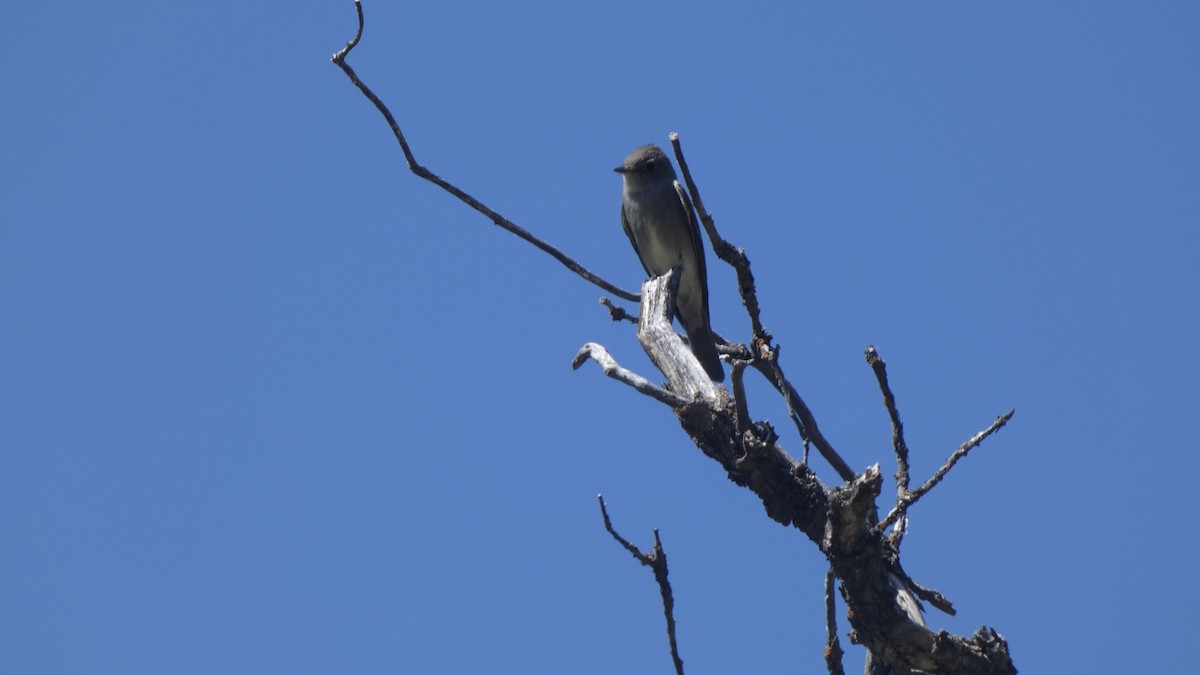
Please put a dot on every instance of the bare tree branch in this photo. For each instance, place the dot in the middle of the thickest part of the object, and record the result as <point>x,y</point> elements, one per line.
<point>931,596</point>
<point>614,370</point>
<point>765,357</point>
<point>737,385</point>
<point>899,447</point>
<point>686,379</point>
<point>833,647</point>
<point>800,414</point>
<point>656,560</point>
<point>909,498</point>
<point>340,59</point>
<point>685,376</point>
<point>735,257</point>
<point>960,453</point>
<point>617,313</point>
<point>859,556</point>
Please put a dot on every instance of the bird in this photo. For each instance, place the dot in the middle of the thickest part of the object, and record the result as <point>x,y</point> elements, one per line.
<point>658,218</point>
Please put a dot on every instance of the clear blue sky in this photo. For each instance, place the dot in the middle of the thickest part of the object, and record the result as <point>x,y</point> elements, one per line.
<point>268,403</point>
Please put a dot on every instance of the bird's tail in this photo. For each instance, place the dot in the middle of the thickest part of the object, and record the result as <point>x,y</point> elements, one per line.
<point>704,346</point>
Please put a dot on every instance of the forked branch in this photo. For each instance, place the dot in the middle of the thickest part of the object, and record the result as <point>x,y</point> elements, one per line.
<point>910,497</point>
<point>656,560</point>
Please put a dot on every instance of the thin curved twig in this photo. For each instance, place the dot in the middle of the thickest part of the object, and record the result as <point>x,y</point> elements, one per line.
<point>340,59</point>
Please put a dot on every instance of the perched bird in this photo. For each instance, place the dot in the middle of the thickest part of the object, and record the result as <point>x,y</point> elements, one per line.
<point>661,224</point>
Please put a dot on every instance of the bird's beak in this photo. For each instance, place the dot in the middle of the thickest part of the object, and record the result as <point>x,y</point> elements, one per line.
<point>622,170</point>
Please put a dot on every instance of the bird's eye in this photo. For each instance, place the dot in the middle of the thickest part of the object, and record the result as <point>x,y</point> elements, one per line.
<point>650,165</point>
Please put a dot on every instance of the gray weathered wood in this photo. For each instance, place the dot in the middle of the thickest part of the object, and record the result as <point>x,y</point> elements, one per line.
<point>663,345</point>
